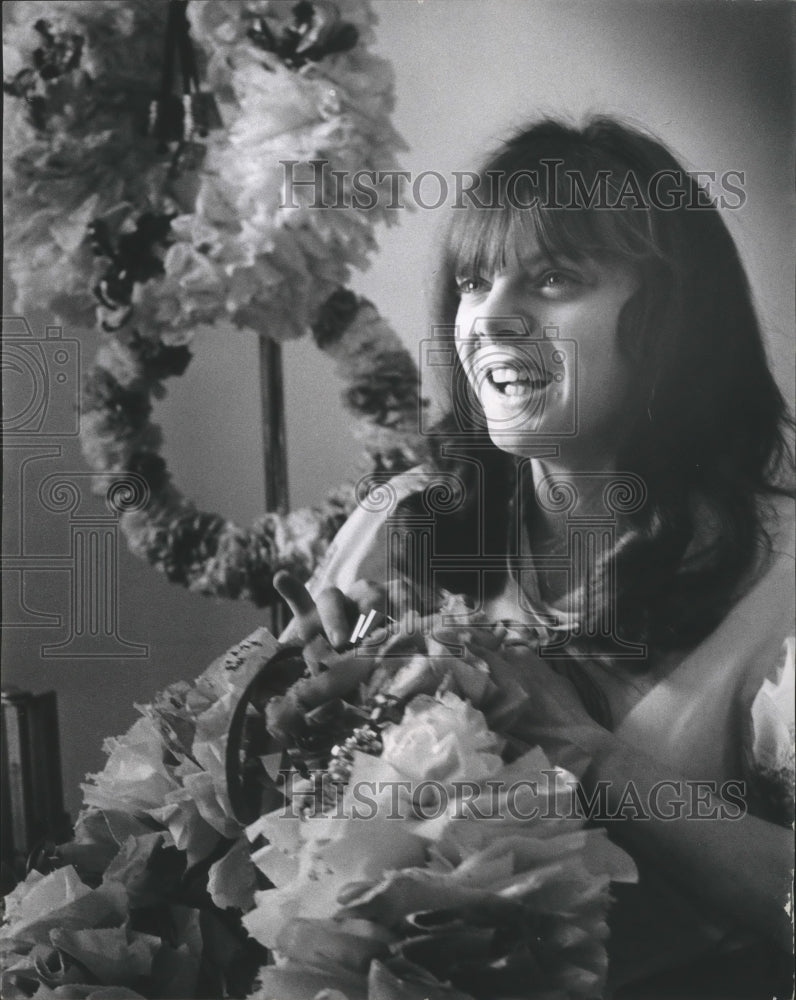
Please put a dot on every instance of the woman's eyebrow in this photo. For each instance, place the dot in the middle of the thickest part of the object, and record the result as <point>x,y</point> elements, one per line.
<point>529,261</point>
<point>546,259</point>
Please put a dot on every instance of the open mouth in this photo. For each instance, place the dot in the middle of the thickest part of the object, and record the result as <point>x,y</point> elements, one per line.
<point>516,380</point>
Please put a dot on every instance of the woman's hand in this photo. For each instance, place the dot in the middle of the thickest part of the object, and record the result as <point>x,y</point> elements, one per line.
<point>286,715</point>
<point>335,670</point>
<point>552,715</point>
<point>333,613</point>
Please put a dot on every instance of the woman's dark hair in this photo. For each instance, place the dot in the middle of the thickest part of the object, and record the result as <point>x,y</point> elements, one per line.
<point>706,422</point>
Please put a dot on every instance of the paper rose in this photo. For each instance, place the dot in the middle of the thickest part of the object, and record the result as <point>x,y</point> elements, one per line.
<point>773,715</point>
<point>770,759</point>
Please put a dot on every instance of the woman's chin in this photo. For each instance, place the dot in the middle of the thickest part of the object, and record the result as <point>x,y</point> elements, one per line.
<point>521,440</point>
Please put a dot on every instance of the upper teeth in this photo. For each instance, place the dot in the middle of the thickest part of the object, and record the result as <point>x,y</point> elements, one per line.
<point>508,375</point>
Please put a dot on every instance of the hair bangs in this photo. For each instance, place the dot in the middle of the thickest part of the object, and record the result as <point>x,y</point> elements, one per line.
<point>482,239</point>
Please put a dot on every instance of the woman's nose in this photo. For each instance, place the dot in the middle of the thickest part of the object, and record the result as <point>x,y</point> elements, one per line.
<point>501,327</point>
<point>503,314</point>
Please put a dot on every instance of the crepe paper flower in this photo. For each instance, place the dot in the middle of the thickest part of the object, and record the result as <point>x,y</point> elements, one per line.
<point>72,991</point>
<point>77,961</point>
<point>442,740</point>
<point>58,900</point>
<point>277,983</point>
<point>110,954</point>
<point>189,830</point>
<point>232,880</point>
<point>381,891</point>
<point>150,890</point>
<point>185,726</point>
<point>71,138</point>
<point>413,983</point>
<point>239,252</point>
<point>769,760</point>
<point>773,714</point>
<point>134,778</point>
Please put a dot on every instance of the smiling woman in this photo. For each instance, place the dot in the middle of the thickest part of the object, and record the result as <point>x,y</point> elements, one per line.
<point>617,504</point>
<point>499,321</point>
<point>642,325</point>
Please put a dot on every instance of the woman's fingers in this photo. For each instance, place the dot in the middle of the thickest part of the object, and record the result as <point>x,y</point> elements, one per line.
<point>306,620</point>
<point>285,716</point>
<point>294,592</point>
<point>332,613</point>
<point>337,614</point>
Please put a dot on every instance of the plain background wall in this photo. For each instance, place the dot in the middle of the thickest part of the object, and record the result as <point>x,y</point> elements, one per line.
<point>713,79</point>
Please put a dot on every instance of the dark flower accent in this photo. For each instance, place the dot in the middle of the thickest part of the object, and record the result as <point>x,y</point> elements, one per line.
<point>316,32</point>
<point>24,85</point>
<point>189,540</point>
<point>152,467</point>
<point>335,316</point>
<point>58,55</point>
<point>385,394</point>
<point>129,407</point>
<point>159,360</point>
<point>395,460</point>
<point>57,58</point>
<point>133,259</point>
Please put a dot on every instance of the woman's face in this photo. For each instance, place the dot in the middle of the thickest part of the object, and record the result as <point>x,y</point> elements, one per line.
<point>538,343</point>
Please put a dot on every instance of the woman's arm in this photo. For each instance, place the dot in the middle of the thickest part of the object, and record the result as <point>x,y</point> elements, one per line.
<point>740,867</point>
<point>737,868</point>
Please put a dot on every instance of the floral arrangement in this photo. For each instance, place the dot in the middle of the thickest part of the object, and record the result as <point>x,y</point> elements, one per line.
<point>138,904</point>
<point>158,213</point>
<point>366,872</point>
<point>78,76</point>
<point>83,75</point>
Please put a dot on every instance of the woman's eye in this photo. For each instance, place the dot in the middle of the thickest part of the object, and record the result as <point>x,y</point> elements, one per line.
<point>468,285</point>
<point>554,283</point>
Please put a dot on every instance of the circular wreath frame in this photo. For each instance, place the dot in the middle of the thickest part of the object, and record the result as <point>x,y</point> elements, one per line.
<point>202,550</point>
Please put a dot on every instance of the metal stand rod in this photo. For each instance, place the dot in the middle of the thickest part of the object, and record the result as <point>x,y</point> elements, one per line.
<point>272,401</point>
<point>273,421</point>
